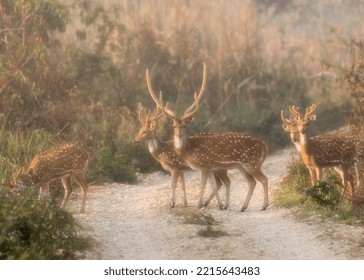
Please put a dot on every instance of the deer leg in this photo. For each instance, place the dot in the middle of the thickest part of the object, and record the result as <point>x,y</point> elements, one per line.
<point>251,185</point>
<point>212,194</point>
<point>66,182</point>
<point>318,174</point>
<point>264,181</point>
<point>226,180</point>
<point>203,180</point>
<point>44,195</point>
<point>175,175</point>
<point>182,179</point>
<point>204,175</point>
<point>215,189</point>
<point>359,169</point>
<point>312,176</point>
<point>81,181</point>
<point>347,181</point>
<point>339,170</point>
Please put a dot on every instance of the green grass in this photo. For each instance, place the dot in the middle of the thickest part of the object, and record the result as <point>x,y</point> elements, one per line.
<point>210,232</point>
<point>32,231</point>
<point>323,199</point>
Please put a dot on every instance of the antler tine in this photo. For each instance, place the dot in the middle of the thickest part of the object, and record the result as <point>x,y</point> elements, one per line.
<point>158,112</point>
<point>203,86</point>
<point>140,114</point>
<point>158,102</point>
<point>310,110</point>
<point>285,121</point>
<point>150,88</point>
<point>148,116</point>
<point>194,107</point>
<point>140,109</point>
<point>294,111</point>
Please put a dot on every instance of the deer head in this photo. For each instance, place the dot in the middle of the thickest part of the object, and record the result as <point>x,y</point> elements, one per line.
<point>15,181</point>
<point>303,122</point>
<point>147,130</point>
<point>290,126</point>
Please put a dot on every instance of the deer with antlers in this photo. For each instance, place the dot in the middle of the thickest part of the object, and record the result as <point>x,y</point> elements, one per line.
<point>210,151</point>
<point>320,151</point>
<point>165,154</point>
<point>58,163</point>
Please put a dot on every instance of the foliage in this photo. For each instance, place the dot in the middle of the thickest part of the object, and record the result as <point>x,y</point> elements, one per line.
<point>325,193</point>
<point>18,148</point>
<point>31,231</point>
<point>210,232</point>
<point>353,77</point>
<point>77,72</point>
<point>324,198</point>
<point>297,179</point>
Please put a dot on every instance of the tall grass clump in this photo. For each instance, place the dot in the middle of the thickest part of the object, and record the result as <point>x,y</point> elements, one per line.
<point>323,198</point>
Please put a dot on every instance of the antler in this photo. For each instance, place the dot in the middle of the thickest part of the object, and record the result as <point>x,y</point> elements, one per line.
<point>157,114</point>
<point>310,110</point>
<point>191,111</point>
<point>285,121</point>
<point>294,111</point>
<point>158,102</point>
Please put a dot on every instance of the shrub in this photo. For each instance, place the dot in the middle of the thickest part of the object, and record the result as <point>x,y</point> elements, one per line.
<point>325,193</point>
<point>31,231</point>
<point>323,198</point>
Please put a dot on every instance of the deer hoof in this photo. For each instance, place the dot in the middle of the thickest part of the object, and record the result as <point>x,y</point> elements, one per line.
<point>243,208</point>
<point>265,207</point>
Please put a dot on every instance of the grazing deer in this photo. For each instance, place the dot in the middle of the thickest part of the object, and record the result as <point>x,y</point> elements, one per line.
<point>165,154</point>
<point>208,152</point>
<point>320,151</point>
<point>59,162</point>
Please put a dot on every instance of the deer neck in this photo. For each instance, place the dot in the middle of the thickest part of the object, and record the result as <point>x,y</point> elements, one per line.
<point>305,143</point>
<point>180,142</point>
<point>297,145</point>
<point>295,141</point>
<point>154,145</point>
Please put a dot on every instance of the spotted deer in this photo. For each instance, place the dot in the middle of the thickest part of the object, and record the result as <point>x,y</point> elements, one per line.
<point>321,151</point>
<point>210,151</point>
<point>165,154</point>
<point>59,163</point>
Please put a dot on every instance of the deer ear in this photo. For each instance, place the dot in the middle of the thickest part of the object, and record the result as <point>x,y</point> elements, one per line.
<point>152,125</point>
<point>188,119</point>
<point>170,120</point>
<point>312,118</point>
<point>285,127</point>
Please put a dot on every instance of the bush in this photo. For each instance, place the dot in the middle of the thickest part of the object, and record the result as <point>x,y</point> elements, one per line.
<point>323,198</point>
<point>325,193</point>
<point>32,231</point>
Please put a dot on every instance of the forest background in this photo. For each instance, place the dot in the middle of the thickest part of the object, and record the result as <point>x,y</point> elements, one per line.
<point>74,71</point>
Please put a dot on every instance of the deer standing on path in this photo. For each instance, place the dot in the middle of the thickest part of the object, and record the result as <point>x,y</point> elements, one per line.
<point>165,154</point>
<point>208,152</point>
<point>320,152</point>
<point>59,163</point>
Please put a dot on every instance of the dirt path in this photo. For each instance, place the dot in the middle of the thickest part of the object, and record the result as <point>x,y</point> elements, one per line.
<point>135,222</point>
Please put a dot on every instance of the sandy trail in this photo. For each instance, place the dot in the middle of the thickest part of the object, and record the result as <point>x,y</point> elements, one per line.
<point>135,222</point>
